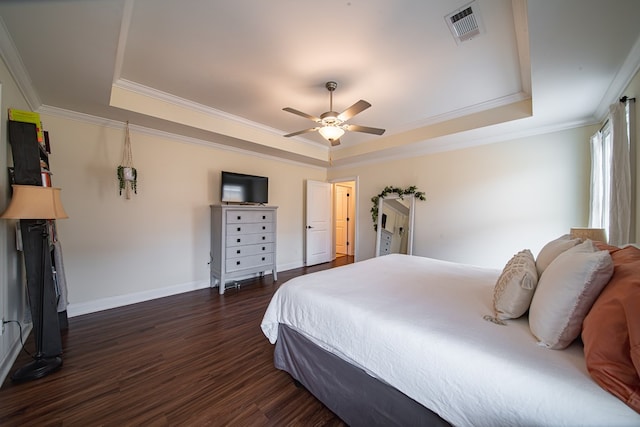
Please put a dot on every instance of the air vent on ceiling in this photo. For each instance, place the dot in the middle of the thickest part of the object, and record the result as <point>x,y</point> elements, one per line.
<point>465,22</point>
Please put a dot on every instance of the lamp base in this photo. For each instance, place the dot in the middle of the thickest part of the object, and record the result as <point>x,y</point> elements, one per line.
<point>39,368</point>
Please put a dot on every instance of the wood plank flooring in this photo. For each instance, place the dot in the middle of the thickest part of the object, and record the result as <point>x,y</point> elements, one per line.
<point>192,359</point>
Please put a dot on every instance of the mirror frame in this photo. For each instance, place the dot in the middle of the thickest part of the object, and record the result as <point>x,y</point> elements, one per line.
<point>412,205</point>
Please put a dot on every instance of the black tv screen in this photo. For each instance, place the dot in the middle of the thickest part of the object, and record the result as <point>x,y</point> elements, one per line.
<point>241,188</point>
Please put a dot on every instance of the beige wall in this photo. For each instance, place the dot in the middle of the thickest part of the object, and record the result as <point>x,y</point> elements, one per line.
<point>119,250</point>
<point>12,290</point>
<point>486,203</point>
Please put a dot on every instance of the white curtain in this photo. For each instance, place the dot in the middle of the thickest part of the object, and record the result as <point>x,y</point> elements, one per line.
<point>611,196</point>
<point>620,197</point>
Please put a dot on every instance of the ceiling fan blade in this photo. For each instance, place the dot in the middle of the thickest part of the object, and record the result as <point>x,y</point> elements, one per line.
<point>300,113</point>
<point>365,129</point>
<point>353,110</point>
<point>301,132</point>
<point>335,142</point>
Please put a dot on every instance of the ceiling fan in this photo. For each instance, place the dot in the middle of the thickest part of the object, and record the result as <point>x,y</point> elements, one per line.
<point>333,125</point>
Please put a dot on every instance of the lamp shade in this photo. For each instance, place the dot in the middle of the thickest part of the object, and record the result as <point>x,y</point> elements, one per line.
<point>331,132</point>
<point>35,202</point>
<point>597,234</point>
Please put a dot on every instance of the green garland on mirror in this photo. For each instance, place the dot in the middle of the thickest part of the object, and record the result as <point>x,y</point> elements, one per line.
<point>389,190</point>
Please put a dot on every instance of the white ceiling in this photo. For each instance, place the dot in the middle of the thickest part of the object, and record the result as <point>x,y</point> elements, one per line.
<point>233,66</point>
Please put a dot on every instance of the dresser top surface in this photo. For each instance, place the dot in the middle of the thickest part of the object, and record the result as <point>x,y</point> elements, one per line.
<point>236,207</point>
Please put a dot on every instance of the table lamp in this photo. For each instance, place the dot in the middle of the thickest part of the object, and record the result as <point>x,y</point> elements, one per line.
<point>37,205</point>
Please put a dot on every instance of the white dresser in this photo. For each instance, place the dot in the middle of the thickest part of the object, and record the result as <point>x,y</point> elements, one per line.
<point>385,242</point>
<point>243,242</point>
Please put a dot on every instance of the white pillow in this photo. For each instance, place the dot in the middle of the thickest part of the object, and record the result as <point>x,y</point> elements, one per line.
<point>551,250</point>
<point>514,288</point>
<point>565,293</point>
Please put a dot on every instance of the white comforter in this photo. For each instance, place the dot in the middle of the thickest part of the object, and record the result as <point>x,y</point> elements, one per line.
<point>417,324</point>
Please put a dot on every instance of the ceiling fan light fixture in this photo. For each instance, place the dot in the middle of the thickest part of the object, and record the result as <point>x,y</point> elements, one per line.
<point>331,133</point>
<point>332,125</point>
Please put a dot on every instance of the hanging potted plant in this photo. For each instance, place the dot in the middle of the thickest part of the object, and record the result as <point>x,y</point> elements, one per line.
<point>127,177</point>
<point>127,174</point>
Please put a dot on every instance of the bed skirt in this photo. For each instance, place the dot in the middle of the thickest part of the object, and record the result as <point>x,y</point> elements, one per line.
<point>353,395</point>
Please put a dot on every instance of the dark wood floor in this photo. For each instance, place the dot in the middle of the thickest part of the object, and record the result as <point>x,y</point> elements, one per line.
<point>192,359</point>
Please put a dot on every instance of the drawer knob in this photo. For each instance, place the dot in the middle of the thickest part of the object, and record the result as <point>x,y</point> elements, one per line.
<point>264,228</point>
<point>264,248</point>
<point>263,258</point>
<point>238,229</point>
<point>238,251</point>
<point>264,237</point>
<point>239,217</point>
<point>264,217</point>
<point>237,262</point>
<point>238,240</point>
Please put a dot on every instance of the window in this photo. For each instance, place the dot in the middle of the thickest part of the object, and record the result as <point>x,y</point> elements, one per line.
<point>600,178</point>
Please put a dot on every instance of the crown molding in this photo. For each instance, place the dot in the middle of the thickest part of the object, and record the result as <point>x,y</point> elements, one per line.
<point>16,67</point>
<point>521,24</point>
<point>467,111</point>
<point>199,108</point>
<point>623,78</point>
<point>451,143</point>
<point>125,24</point>
<point>115,124</point>
<point>423,148</point>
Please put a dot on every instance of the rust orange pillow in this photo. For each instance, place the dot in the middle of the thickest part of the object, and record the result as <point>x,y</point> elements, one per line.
<point>611,330</point>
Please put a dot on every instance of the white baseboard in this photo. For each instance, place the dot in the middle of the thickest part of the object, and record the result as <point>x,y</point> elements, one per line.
<point>12,355</point>
<point>289,266</point>
<point>122,300</point>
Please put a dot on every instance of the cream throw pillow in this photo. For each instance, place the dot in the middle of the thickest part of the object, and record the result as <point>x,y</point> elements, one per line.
<point>514,288</point>
<point>551,250</point>
<point>565,293</point>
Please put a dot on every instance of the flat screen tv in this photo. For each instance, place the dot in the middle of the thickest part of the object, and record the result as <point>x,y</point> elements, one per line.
<point>241,188</point>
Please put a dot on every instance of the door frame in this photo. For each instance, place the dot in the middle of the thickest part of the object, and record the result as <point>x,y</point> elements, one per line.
<point>353,216</point>
<point>343,211</point>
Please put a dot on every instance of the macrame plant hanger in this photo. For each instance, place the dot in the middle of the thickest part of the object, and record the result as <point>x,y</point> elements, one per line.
<point>127,174</point>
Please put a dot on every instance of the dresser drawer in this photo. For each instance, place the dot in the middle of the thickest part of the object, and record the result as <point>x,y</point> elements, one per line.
<point>385,242</point>
<point>241,251</point>
<point>249,239</point>
<point>249,228</point>
<point>248,262</point>
<point>246,217</point>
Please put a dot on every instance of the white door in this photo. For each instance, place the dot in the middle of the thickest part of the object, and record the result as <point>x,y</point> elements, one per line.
<point>318,226</point>
<point>342,219</point>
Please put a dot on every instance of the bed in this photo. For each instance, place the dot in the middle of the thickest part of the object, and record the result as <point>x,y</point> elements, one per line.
<point>402,340</point>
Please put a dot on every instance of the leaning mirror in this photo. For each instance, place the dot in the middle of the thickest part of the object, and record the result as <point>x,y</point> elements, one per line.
<point>395,225</point>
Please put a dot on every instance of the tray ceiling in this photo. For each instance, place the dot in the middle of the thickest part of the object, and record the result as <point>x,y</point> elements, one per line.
<point>222,71</point>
